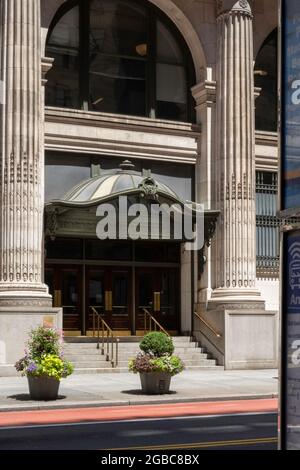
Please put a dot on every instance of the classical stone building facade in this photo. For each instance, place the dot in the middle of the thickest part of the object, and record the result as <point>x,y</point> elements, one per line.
<point>186,91</point>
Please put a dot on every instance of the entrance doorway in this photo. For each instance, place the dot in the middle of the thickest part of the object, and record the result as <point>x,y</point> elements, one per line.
<point>119,279</point>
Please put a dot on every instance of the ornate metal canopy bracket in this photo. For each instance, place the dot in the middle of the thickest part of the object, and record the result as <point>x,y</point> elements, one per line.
<point>149,188</point>
<point>210,222</point>
<point>51,223</point>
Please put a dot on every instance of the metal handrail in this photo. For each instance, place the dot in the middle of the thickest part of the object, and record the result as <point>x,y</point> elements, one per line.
<point>218,335</point>
<point>151,321</point>
<point>109,340</point>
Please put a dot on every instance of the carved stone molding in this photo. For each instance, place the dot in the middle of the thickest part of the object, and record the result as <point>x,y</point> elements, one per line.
<point>204,93</point>
<point>47,63</point>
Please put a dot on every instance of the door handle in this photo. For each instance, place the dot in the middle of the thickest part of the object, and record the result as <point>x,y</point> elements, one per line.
<point>57,298</point>
<point>156,301</point>
<point>108,300</point>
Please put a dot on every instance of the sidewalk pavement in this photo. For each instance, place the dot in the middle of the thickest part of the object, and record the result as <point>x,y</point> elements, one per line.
<point>116,389</point>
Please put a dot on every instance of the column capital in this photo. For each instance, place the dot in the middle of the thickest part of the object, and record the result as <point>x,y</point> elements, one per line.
<point>230,7</point>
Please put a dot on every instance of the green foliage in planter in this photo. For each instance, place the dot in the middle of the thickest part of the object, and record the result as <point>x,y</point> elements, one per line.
<point>145,363</point>
<point>157,344</point>
<point>44,341</point>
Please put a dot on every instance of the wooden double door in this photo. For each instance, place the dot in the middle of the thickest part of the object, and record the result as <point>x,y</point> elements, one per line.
<point>120,294</point>
<point>158,291</point>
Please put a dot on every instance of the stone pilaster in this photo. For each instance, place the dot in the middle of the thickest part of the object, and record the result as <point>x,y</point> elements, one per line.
<point>204,94</point>
<point>235,158</point>
<point>21,153</point>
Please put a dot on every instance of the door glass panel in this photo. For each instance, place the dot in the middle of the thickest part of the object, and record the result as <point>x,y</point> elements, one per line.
<point>70,289</point>
<point>120,293</point>
<point>95,295</point>
<point>71,299</point>
<point>145,290</point>
<point>168,292</point>
<point>96,290</point>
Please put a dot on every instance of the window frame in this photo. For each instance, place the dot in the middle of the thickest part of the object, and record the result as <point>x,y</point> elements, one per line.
<point>258,126</point>
<point>153,15</point>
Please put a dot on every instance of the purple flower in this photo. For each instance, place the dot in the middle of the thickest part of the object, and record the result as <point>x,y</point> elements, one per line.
<point>31,367</point>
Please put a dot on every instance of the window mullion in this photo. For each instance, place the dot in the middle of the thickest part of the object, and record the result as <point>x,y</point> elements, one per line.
<point>84,53</point>
<point>151,74</point>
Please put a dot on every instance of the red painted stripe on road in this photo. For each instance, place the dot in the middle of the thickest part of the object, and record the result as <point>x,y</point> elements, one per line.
<point>79,415</point>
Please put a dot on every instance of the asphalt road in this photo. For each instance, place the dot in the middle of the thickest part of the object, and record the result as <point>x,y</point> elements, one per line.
<point>243,431</point>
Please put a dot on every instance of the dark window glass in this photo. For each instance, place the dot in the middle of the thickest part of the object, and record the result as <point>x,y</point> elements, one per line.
<point>173,253</point>
<point>171,95</point>
<point>62,248</point>
<point>118,86</point>
<point>63,173</point>
<point>123,60</point>
<point>265,74</point>
<point>63,46</point>
<point>108,250</point>
<point>157,252</point>
<point>117,78</point>
<point>117,27</point>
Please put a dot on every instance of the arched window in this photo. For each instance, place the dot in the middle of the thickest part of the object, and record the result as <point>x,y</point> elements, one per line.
<point>119,56</point>
<point>265,73</point>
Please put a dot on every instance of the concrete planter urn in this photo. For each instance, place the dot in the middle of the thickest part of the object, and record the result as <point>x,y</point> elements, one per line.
<point>43,388</point>
<point>155,383</point>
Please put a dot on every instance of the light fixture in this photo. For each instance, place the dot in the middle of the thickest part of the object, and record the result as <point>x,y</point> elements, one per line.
<point>260,73</point>
<point>141,49</point>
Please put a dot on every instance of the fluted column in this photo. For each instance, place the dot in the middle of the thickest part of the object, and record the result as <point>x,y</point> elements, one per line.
<point>21,153</point>
<point>235,157</point>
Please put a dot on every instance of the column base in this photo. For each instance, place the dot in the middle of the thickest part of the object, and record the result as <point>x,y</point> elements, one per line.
<point>15,325</point>
<point>237,298</point>
<point>14,295</point>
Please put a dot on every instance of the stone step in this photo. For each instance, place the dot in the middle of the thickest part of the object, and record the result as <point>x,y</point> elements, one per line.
<point>87,359</point>
<point>125,362</point>
<point>187,362</point>
<point>130,340</point>
<point>99,370</point>
<point>91,364</point>
<point>96,359</point>
<point>84,349</point>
